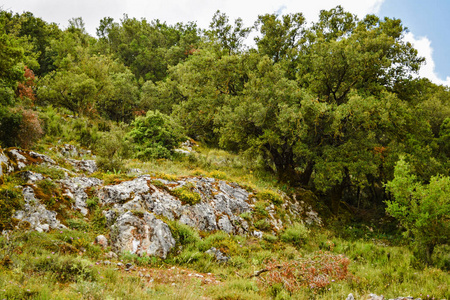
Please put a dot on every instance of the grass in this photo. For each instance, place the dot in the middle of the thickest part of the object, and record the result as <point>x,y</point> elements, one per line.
<point>53,266</point>
<point>298,263</point>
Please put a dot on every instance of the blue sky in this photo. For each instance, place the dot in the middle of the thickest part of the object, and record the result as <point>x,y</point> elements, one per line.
<point>427,20</point>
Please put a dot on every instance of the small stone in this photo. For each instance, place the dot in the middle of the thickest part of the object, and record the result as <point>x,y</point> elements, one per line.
<point>111,255</point>
<point>120,264</point>
<point>258,234</point>
<point>350,297</point>
<point>102,241</point>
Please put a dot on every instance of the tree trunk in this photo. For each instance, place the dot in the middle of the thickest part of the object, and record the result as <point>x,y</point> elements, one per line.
<point>306,175</point>
<point>335,197</point>
<point>284,164</point>
<point>336,193</point>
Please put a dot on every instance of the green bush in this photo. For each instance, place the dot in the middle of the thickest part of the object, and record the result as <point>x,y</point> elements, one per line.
<point>183,234</point>
<point>270,196</point>
<point>112,148</point>
<point>155,135</point>
<point>295,235</point>
<point>98,221</point>
<point>66,268</point>
<point>186,195</point>
<point>19,127</point>
<point>10,200</point>
<point>423,209</point>
<point>263,225</point>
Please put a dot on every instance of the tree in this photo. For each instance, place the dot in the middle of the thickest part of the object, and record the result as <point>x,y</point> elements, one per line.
<point>264,118</point>
<point>281,38</point>
<point>148,48</point>
<point>230,38</point>
<point>343,54</point>
<point>423,210</point>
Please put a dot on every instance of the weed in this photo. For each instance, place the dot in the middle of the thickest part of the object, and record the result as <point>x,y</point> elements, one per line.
<point>186,195</point>
<point>271,196</point>
<point>295,235</point>
<point>218,175</point>
<point>11,200</point>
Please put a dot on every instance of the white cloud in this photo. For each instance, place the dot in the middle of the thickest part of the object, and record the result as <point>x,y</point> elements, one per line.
<point>172,11</point>
<point>424,49</point>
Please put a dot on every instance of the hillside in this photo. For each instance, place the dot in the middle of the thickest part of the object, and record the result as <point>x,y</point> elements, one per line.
<point>171,161</point>
<point>78,232</point>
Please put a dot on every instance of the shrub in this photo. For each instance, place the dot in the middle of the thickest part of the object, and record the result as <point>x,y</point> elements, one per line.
<point>316,272</point>
<point>66,268</point>
<point>155,135</point>
<point>218,175</point>
<point>98,221</point>
<point>186,195</point>
<point>19,127</point>
<point>183,234</point>
<point>270,196</point>
<point>263,225</point>
<point>10,121</point>
<point>295,235</point>
<point>112,149</point>
<point>10,200</point>
<point>423,210</point>
<point>45,170</point>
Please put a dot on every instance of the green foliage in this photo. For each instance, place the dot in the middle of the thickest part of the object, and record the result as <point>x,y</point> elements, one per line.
<point>271,196</point>
<point>155,135</point>
<point>112,148</point>
<point>263,224</point>
<point>229,38</point>
<point>46,170</point>
<point>296,235</point>
<point>11,200</point>
<point>183,234</point>
<point>9,126</point>
<point>66,269</point>
<point>98,221</point>
<point>423,210</point>
<point>186,194</point>
<point>218,175</point>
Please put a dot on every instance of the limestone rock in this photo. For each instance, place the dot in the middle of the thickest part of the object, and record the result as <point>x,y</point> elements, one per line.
<point>89,166</point>
<point>35,213</point>
<point>12,159</point>
<point>71,151</point>
<point>102,241</point>
<point>76,187</point>
<point>32,177</point>
<point>220,257</point>
<point>350,297</point>
<point>141,235</point>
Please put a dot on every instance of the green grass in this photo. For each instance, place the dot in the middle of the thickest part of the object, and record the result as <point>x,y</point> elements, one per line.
<point>65,264</point>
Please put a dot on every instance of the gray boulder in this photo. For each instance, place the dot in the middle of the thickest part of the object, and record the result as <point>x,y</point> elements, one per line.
<point>141,235</point>
<point>76,187</point>
<point>36,214</point>
<point>89,166</point>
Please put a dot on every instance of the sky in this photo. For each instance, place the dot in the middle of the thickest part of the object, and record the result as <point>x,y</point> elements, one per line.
<point>426,20</point>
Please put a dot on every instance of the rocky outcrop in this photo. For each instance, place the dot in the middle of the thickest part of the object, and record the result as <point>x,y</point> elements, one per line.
<point>89,166</point>
<point>13,159</point>
<point>76,187</point>
<point>135,209</point>
<point>220,207</point>
<point>141,235</point>
<point>36,214</point>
